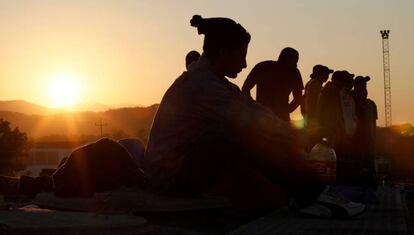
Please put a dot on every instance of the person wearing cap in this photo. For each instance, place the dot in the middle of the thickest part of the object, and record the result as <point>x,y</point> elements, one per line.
<point>309,107</point>
<point>275,81</point>
<point>365,136</point>
<point>366,108</point>
<point>336,106</point>
<point>348,104</point>
<point>337,119</point>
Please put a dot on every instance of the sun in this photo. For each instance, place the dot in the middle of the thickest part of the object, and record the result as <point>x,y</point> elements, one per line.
<point>64,91</point>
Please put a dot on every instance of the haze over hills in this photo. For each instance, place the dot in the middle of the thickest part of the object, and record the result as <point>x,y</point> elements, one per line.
<point>24,107</point>
<point>39,122</point>
<point>136,122</point>
<point>21,106</point>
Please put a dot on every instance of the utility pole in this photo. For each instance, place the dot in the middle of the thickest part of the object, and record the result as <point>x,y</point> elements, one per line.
<point>387,79</point>
<point>101,125</point>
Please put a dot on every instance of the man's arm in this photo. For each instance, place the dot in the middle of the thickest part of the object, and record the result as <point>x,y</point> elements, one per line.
<point>267,141</point>
<point>250,82</point>
<point>296,92</point>
<point>312,91</point>
<point>297,97</point>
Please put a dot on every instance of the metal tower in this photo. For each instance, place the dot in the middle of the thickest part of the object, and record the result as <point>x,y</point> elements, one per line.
<point>387,79</point>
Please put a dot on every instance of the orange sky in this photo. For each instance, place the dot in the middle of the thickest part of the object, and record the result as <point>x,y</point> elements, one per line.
<point>129,52</point>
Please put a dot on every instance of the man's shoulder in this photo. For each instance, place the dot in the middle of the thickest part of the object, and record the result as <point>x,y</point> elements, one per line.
<point>327,90</point>
<point>288,70</point>
<point>266,69</point>
<point>265,64</point>
<point>372,103</point>
<point>295,72</point>
<point>314,84</point>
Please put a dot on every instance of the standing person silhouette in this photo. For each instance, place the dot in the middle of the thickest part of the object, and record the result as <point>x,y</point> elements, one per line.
<point>337,120</point>
<point>309,106</point>
<point>275,81</point>
<point>208,136</point>
<point>365,135</point>
<point>313,88</point>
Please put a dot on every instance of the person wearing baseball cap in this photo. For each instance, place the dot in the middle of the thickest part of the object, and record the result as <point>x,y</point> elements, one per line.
<point>309,106</point>
<point>320,69</point>
<point>337,119</point>
<point>365,135</point>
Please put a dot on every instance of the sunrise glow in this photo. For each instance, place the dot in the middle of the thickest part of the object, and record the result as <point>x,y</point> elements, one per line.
<point>64,90</point>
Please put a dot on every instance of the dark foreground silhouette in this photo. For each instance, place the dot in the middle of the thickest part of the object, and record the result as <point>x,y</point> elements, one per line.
<point>209,137</point>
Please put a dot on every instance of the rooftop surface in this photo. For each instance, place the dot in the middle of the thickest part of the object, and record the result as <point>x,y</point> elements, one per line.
<point>390,216</point>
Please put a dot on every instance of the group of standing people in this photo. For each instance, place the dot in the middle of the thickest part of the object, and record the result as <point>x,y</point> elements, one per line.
<point>340,112</point>
<point>347,119</point>
<point>336,111</point>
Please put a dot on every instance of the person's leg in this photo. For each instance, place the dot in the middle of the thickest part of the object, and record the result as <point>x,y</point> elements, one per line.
<point>246,188</point>
<point>211,164</point>
<point>219,169</point>
<point>203,166</point>
<point>286,166</point>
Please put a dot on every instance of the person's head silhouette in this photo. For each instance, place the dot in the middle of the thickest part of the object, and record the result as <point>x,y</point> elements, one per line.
<point>225,44</point>
<point>343,79</point>
<point>191,57</point>
<point>321,72</point>
<point>360,87</point>
<point>289,56</point>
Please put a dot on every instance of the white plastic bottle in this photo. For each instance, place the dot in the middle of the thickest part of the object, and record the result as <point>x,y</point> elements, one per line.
<point>322,159</point>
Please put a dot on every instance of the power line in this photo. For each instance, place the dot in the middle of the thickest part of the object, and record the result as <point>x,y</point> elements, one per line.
<point>101,125</point>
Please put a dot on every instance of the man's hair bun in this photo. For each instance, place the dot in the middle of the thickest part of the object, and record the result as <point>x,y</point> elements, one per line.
<point>219,33</point>
<point>197,21</point>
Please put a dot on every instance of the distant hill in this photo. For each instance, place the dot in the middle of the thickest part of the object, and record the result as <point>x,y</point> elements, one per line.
<point>124,121</point>
<point>90,106</point>
<point>21,106</point>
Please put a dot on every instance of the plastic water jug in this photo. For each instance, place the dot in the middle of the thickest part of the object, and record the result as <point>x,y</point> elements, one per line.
<point>322,159</point>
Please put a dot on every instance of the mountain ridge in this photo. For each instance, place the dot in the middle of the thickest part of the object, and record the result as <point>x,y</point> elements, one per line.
<point>129,121</point>
<point>26,107</point>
